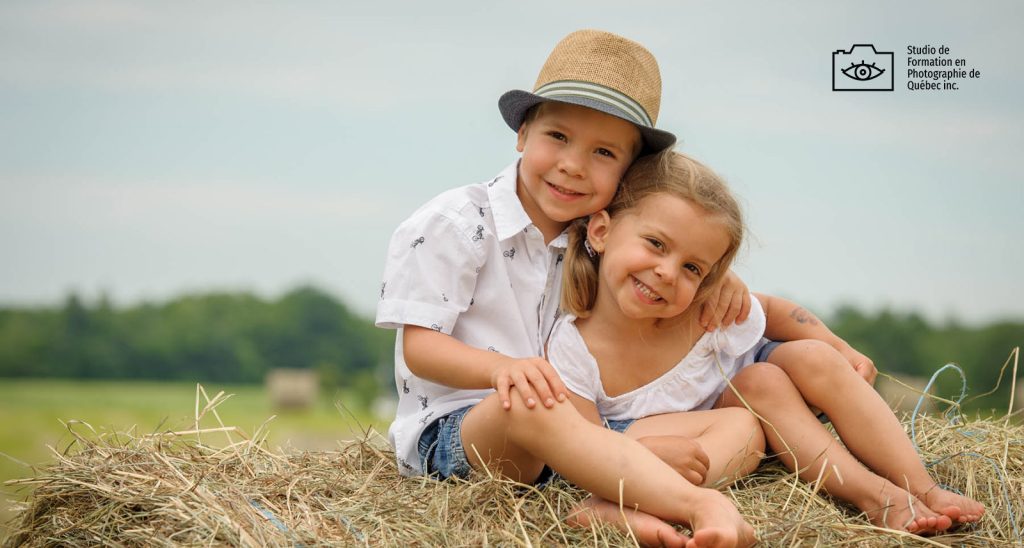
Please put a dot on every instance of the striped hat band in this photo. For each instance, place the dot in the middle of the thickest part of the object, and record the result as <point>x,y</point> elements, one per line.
<point>597,92</point>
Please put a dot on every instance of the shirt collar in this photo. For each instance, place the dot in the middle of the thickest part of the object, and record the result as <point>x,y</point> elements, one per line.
<point>509,215</point>
<point>562,240</point>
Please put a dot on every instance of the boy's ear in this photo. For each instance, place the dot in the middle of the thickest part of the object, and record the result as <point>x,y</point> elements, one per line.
<point>597,229</point>
<point>521,137</point>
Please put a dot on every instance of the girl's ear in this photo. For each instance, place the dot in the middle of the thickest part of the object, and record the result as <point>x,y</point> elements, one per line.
<point>597,230</point>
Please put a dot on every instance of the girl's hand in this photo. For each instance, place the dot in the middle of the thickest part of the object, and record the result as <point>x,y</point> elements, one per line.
<point>534,378</point>
<point>728,303</point>
<point>860,363</point>
<point>683,454</point>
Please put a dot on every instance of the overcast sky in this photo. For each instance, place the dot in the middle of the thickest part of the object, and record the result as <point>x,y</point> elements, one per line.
<point>151,149</point>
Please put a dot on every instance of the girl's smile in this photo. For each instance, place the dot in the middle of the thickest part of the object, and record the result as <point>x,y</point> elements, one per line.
<point>645,293</point>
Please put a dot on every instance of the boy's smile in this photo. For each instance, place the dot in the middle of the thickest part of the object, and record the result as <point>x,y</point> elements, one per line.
<point>573,160</point>
<point>655,257</point>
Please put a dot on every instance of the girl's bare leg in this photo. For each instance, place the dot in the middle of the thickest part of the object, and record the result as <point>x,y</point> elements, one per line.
<point>731,438</point>
<point>827,381</point>
<point>515,443</point>
<point>771,393</point>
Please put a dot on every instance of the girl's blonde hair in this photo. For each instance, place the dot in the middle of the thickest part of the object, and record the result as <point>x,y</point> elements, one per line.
<point>668,172</point>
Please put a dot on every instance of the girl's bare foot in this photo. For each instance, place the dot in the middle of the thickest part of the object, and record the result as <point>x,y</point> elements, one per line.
<point>648,530</point>
<point>717,524</point>
<point>714,519</point>
<point>896,508</point>
<point>958,508</point>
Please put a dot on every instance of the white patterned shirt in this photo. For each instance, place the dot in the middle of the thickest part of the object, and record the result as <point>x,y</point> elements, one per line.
<point>694,383</point>
<point>470,264</point>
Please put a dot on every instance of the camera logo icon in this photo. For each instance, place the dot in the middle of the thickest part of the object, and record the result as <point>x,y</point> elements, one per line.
<point>863,68</point>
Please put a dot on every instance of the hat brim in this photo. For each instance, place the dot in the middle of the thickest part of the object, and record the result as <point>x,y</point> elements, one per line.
<point>514,105</point>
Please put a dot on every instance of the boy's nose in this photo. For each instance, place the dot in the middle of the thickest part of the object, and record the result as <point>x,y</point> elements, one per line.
<point>570,163</point>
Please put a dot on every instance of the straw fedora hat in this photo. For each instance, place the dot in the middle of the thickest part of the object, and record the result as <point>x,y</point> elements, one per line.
<point>602,71</point>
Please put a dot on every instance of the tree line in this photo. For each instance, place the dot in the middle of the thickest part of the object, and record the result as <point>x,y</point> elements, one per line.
<point>238,337</point>
<point>905,343</point>
<point>214,337</point>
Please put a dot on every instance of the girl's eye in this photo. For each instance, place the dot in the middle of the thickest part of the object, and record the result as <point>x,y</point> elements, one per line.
<point>606,152</point>
<point>692,268</point>
<point>655,243</point>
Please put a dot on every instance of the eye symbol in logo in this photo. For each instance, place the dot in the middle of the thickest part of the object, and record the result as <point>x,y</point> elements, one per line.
<point>863,71</point>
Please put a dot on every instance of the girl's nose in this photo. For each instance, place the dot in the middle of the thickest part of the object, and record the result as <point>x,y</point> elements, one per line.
<point>665,270</point>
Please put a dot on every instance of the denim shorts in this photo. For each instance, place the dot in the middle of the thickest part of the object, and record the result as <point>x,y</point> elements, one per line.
<point>766,350</point>
<point>619,426</point>
<point>440,447</point>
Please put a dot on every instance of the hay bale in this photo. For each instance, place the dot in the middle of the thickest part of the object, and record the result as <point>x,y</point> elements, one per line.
<point>292,388</point>
<point>175,489</point>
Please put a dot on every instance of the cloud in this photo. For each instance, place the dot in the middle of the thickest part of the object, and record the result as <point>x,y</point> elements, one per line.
<point>95,15</point>
<point>318,58</point>
<point>84,201</point>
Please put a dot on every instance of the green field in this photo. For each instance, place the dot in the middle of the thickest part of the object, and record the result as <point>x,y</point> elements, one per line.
<point>31,411</point>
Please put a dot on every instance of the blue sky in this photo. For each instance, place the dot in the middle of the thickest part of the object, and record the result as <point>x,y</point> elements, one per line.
<point>151,149</point>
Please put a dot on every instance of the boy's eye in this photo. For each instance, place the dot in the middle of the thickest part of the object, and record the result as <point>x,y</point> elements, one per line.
<point>606,152</point>
<point>557,135</point>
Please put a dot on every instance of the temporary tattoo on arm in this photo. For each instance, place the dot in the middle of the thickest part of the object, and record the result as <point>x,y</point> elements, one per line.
<point>801,315</point>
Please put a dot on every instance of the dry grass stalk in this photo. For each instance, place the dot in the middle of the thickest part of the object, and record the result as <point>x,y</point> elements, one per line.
<point>172,489</point>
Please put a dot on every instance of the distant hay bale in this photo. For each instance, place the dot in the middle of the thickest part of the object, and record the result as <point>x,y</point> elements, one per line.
<point>902,392</point>
<point>175,489</point>
<point>292,388</point>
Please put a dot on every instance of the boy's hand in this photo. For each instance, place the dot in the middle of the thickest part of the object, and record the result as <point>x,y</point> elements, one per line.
<point>683,454</point>
<point>534,378</point>
<point>728,303</point>
<point>860,363</point>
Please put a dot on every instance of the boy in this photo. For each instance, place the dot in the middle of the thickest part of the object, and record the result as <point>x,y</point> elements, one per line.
<point>472,283</point>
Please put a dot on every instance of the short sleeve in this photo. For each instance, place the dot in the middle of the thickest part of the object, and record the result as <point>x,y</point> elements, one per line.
<point>569,355</point>
<point>738,338</point>
<point>430,273</point>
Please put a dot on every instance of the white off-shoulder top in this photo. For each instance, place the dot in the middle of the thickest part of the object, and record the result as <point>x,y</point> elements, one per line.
<point>694,383</point>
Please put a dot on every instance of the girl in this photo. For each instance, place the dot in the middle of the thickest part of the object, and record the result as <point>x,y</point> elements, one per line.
<point>633,273</point>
